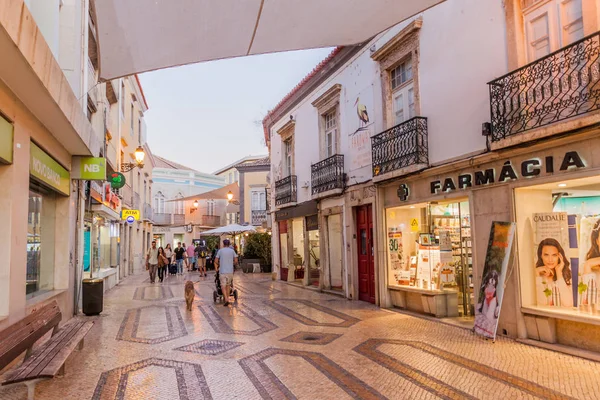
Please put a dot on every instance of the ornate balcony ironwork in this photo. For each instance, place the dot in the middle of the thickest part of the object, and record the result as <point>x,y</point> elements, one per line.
<point>328,174</point>
<point>401,146</point>
<point>286,190</point>
<point>258,217</point>
<point>561,85</point>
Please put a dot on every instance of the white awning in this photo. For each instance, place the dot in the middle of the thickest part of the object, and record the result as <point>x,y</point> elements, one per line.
<point>142,35</point>
<point>232,229</point>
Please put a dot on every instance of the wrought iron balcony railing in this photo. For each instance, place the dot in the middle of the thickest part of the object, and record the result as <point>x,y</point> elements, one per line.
<point>401,146</point>
<point>126,193</point>
<point>148,212</point>
<point>178,219</point>
<point>561,85</point>
<point>286,190</point>
<point>328,174</point>
<point>162,219</point>
<point>258,217</point>
<point>211,220</point>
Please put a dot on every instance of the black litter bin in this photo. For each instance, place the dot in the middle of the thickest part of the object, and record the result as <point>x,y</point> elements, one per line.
<point>93,296</point>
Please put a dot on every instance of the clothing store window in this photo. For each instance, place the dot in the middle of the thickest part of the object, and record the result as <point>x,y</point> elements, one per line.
<point>558,233</point>
<point>40,241</point>
<point>429,247</point>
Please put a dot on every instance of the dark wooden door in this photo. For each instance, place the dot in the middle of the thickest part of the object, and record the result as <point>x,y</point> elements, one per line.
<point>366,253</point>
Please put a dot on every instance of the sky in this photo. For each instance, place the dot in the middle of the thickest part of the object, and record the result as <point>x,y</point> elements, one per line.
<point>209,115</point>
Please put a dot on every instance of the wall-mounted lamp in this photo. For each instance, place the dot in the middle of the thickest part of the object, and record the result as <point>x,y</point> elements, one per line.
<point>229,196</point>
<point>194,207</point>
<point>139,160</point>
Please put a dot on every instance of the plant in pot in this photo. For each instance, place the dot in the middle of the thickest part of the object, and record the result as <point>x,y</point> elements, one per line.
<point>258,250</point>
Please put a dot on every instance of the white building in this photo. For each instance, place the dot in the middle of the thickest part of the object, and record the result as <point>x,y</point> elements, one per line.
<point>173,183</point>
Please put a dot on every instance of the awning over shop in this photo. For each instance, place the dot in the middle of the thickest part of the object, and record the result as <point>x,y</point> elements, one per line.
<point>140,35</point>
<point>232,229</point>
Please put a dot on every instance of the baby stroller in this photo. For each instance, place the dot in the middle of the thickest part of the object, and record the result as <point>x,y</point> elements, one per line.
<point>218,292</point>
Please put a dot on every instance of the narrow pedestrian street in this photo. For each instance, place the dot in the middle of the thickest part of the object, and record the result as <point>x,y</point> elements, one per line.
<point>281,341</point>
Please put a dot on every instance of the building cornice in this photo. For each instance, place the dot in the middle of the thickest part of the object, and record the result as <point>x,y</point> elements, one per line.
<point>332,94</point>
<point>401,36</point>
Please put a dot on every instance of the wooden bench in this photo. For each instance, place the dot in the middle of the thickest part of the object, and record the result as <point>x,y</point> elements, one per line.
<point>46,360</point>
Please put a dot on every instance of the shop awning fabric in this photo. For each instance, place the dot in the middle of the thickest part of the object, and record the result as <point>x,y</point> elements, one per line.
<point>232,229</point>
<point>142,35</point>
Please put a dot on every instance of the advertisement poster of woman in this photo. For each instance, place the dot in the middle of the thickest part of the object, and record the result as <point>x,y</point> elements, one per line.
<point>487,311</point>
<point>553,275</point>
<point>589,261</point>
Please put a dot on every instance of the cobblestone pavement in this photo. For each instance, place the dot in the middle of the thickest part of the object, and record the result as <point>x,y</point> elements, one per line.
<point>283,342</point>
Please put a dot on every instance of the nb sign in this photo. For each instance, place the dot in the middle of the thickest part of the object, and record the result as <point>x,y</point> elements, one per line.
<point>91,168</point>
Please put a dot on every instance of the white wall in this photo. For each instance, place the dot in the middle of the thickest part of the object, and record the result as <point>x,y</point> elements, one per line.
<point>462,47</point>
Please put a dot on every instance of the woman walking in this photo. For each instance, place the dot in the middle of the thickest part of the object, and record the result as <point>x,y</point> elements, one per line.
<point>163,262</point>
<point>169,256</point>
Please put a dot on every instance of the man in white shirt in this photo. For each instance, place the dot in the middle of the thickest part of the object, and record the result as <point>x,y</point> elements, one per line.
<point>152,261</point>
<point>225,261</point>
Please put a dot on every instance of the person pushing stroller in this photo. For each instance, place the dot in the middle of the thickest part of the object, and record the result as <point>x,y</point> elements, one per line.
<point>225,261</point>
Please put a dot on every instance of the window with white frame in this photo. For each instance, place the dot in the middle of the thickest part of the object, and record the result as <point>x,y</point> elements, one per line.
<point>210,207</point>
<point>288,154</point>
<point>330,125</point>
<point>403,93</point>
<point>551,25</point>
<point>179,204</point>
<point>236,176</point>
<point>232,218</point>
<point>159,203</point>
<point>258,201</point>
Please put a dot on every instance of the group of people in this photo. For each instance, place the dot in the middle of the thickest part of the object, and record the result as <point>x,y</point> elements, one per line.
<point>159,259</point>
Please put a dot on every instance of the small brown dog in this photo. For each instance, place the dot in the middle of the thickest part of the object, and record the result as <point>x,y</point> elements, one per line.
<point>190,293</point>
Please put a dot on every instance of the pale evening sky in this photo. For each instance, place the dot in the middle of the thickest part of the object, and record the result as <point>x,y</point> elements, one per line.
<point>205,115</point>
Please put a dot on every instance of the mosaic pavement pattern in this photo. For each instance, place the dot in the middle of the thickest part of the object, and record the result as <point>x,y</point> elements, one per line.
<point>284,342</point>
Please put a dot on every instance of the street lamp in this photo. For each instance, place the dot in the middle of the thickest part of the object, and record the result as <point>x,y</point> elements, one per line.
<point>229,196</point>
<point>139,160</point>
<point>195,207</point>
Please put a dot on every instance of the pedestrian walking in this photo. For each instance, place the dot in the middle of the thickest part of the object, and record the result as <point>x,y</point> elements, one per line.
<point>163,263</point>
<point>226,259</point>
<point>169,255</point>
<point>152,261</point>
<point>185,258</point>
<point>191,257</point>
<point>202,253</point>
<point>179,258</point>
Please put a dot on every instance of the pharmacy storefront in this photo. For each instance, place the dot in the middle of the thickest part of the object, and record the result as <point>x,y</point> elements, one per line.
<point>437,226</point>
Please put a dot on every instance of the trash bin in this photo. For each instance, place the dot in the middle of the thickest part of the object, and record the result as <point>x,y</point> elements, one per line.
<point>93,296</point>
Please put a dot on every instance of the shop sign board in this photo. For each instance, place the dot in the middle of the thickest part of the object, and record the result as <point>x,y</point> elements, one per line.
<point>135,214</point>
<point>528,168</point>
<point>117,180</point>
<point>130,219</point>
<point>6,141</point>
<point>312,223</point>
<point>96,191</point>
<point>300,210</point>
<point>403,192</point>
<point>46,170</point>
<point>491,292</point>
<point>88,168</point>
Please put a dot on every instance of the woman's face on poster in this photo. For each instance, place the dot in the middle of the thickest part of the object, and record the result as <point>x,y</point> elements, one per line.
<point>550,257</point>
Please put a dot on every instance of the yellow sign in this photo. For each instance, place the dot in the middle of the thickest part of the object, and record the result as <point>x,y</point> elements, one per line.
<point>414,225</point>
<point>130,213</point>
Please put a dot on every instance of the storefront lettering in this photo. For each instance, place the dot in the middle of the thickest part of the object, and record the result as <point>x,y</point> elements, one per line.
<point>529,168</point>
<point>45,171</point>
<point>549,217</point>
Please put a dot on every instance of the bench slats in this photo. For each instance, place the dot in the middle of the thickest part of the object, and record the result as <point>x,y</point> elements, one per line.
<point>46,361</point>
<point>21,336</point>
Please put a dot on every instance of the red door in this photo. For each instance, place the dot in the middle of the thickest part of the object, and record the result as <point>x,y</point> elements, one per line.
<point>366,255</point>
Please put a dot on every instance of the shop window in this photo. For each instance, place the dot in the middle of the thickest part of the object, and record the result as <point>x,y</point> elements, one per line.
<point>551,24</point>
<point>429,247</point>
<point>558,233</point>
<point>40,241</point>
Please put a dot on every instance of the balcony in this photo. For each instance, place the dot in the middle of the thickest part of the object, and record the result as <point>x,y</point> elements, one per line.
<point>211,220</point>
<point>178,219</point>
<point>127,196</point>
<point>162,219</point>
<point>561,85</point>
<point>400,150</point>
<point>286,191</point>
<point>137,204</point>
<point>259,217</point>
<point>328,177</point>
<point>148,213</point>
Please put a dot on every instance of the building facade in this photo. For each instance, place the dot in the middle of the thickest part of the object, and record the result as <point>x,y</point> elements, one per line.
<point>173,183</point>
<point>253,192</point>
<point>384,157</point>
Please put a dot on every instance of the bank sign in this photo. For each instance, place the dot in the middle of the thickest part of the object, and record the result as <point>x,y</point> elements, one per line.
<point>46,170</point>
<point>130,213</point>
<point>88,168</point>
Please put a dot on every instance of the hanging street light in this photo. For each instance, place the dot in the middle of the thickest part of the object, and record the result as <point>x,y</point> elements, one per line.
<point>139,155</point>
